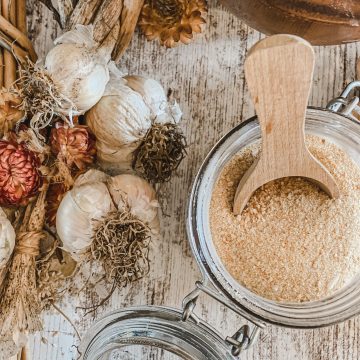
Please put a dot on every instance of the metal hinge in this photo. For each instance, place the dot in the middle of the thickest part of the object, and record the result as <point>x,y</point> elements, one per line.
<point>244,338</point>
<point>347,104</point>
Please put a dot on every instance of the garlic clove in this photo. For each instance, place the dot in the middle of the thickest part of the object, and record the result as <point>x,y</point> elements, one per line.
<point>77,211</point>
<point>91,176</point>
<point>120,117</point>
<point>152,92</point>
<point>116,160</point>
<point>7,239</point>
<point>139,195</point>
<point>155,98</point>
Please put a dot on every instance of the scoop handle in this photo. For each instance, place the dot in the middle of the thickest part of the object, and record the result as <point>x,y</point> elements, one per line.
<point>279,71</point>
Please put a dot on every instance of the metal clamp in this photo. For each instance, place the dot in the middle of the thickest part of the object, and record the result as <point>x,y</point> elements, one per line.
<point>244,338</point>
<point>346,104</point>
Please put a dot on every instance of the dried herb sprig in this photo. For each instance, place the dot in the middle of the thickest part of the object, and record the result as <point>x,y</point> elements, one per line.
<point>121,244</point>
<point>160,152</point>
<point>19,302</point>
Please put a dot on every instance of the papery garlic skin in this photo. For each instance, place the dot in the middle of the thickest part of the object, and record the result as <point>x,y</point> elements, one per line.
<point>119,121</point>
<point>139,195</point>
<point>78,69</point>
<point>91,176</point>
<point>152,92</point>
<point>7,239</point>
<point>77,212</point>
<point>155,98</point>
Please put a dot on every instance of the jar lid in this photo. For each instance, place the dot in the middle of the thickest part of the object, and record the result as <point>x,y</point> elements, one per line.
<point>151,326</point>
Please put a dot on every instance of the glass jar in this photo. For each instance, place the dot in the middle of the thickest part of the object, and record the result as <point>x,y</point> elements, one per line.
<point>157,327</point>
<point>181,332</point>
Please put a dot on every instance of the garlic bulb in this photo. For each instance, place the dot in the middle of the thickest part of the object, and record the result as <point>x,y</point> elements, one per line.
<point>77,210</point>
<point>123,116</point>
<point>78,69</point>
<point>7,239</point>
<point>140,196</point>
<point>94,200</point>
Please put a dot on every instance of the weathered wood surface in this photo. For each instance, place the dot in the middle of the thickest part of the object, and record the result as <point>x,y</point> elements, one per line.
<point>208,80</point>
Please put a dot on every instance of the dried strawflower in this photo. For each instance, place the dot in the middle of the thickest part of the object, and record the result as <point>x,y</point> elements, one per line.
<point>10,113</point>
<point>160,152</point>
<point>20,177</point>
<point>172,21</point>
<point>73,145</point>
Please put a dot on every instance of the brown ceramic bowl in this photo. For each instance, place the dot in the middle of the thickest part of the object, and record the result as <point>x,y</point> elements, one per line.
<point>322,22</point>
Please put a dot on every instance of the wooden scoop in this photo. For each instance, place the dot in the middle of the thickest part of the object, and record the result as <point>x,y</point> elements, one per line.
<point>279,71</point>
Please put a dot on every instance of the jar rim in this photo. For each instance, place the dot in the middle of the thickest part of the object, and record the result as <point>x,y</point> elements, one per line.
<point>335,308</point>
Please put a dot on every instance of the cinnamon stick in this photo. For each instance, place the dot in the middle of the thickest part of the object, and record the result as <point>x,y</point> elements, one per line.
<point>9,13</point>
<point>17,36</point>
<point>21,16</point>
<point>8,44</point>
<point>1,61</point>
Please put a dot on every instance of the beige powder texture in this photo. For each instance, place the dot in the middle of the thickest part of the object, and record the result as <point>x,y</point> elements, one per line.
<point>292,243</point>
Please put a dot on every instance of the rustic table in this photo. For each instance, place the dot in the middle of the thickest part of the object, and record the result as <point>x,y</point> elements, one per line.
<point>207,79</point>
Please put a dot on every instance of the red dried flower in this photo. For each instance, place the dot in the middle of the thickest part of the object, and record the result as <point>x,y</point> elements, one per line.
<point>74,145</point>
<point>20,177</point>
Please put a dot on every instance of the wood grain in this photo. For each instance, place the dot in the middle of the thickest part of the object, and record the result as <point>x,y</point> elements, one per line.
<point>207,78</point>
<point>278,70</point>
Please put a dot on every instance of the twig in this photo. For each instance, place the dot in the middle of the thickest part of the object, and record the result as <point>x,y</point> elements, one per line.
<point>1,62</point>
<point>21,16</point>
<point>7,44</point>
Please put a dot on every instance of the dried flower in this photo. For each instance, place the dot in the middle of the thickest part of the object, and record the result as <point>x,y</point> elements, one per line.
<point>172,21</point>
<point>54,196</point>
<point>9,111</point>
<point>73,145</point>
<point>20,177</point>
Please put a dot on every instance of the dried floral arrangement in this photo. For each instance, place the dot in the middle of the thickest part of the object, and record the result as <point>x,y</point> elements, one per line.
<point>171,22</point>
<point>82,150</point>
